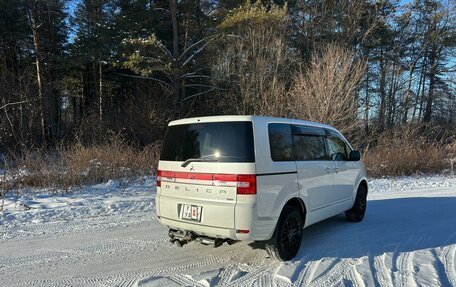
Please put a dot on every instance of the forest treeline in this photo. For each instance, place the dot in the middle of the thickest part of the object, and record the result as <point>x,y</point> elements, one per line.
<point>81,70</point>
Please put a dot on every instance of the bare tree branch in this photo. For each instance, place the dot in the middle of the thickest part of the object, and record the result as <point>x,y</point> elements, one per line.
<point>13,104</point>
<point>198,94</point>
<point>208,39</point>
<point>143,77</point>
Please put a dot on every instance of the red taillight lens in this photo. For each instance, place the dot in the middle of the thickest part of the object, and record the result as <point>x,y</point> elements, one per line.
<point>164,175</point>
<point>195,176</point>
<point>246,184</point>
<point>225,177</point>
<point>224,180</point>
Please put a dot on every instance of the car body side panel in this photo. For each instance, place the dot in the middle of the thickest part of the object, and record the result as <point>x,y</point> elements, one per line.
<point>344,176</point>
<point>273,192</point>
<point>315,183</point>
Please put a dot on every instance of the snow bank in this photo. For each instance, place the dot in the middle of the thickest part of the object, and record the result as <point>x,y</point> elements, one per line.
<point>107,199</point>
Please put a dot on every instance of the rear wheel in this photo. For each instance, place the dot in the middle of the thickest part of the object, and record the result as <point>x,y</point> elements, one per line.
<point>286,241</point>
<point>356,213</point>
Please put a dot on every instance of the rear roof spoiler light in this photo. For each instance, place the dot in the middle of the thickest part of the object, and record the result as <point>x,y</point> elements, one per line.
<point>245,183</point>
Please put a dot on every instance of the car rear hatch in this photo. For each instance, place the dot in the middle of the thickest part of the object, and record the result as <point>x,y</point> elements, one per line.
<point>203,167</point>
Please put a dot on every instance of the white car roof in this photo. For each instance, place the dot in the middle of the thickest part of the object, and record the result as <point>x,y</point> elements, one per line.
<point>235,118</point>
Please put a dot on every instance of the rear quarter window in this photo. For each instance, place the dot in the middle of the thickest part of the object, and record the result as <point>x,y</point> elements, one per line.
<point>280,142</point>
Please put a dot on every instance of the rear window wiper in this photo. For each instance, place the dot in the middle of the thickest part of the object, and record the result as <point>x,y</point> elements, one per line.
<point>206,158</point>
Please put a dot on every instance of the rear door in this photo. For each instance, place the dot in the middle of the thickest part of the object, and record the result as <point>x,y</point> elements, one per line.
<point>204,189</point>
<point>315,170</point>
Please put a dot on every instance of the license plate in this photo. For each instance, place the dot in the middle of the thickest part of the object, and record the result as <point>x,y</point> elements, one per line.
<point>190,212</point>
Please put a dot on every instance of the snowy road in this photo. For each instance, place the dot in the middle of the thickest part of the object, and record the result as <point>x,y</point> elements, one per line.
<point>106,235</point>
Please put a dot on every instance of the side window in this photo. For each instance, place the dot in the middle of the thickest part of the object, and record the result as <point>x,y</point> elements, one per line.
<point>308,143</point>
<point>337,148</point>
<point>280,142</point>
<point>309,147</point>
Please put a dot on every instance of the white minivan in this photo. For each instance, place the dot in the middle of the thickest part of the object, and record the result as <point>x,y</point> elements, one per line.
<point>229,178</point>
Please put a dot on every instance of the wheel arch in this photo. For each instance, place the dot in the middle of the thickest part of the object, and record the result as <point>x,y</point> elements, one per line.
<point>363,183</point>
<point>299,204</point>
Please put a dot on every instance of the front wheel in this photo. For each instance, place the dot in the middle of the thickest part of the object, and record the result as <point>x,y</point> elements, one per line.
<point>356,213</point>
<point>286,241</point>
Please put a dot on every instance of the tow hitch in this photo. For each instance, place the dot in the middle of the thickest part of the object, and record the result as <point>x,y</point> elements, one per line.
<point>180,238</point>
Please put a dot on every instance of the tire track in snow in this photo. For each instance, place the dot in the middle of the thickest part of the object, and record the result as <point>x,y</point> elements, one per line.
<point>260,271</point>
<point>280,281</point>
<point>226,275</point>
<point>307,274</point>
<point>334,274</point>
<point>380,273</point>
<point>129,282</point>
<point>404,275</point>
<point>185,280</point>
<point>354,277</point>
<point>448,259</point>
<point>78,224</point>
<point>108,280</point>
<point>263,281</point>
<point>229,271</point>
<point>47,256</point>
<point>439,267</point>
<point>243,259</point>
<point>255,259</point>
<point>216,258</point>
<point>116,279</point>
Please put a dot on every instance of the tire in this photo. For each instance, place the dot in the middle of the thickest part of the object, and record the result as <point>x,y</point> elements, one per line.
<point>287,237</point>
<point>357,212</point>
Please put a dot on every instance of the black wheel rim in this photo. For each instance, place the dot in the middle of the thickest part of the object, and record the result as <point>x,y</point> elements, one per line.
<point>291,235</point>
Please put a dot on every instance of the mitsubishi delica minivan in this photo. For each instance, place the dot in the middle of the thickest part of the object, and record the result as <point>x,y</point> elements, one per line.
<point>229,178</point>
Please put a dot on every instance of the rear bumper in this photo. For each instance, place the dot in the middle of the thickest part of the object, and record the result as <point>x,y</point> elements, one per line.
<point>244,217</point>
<point>204,230</point>
<point>259,230</point>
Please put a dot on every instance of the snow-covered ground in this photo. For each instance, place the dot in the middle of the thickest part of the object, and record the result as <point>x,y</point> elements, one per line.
<point>107,235</point>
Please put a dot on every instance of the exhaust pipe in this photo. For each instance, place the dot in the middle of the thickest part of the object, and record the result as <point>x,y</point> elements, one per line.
<point>180,238</point>
<point>216,242</point>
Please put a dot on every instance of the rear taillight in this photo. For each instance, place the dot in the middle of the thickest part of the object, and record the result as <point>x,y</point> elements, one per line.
<point>224,180</point>
<point>245,183</point>
<point>164,175</point>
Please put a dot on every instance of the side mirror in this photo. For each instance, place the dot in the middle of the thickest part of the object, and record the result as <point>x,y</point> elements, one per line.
<point>355,155</point>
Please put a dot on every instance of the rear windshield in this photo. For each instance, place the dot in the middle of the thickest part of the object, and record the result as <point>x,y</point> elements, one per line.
<point>228,141</point>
